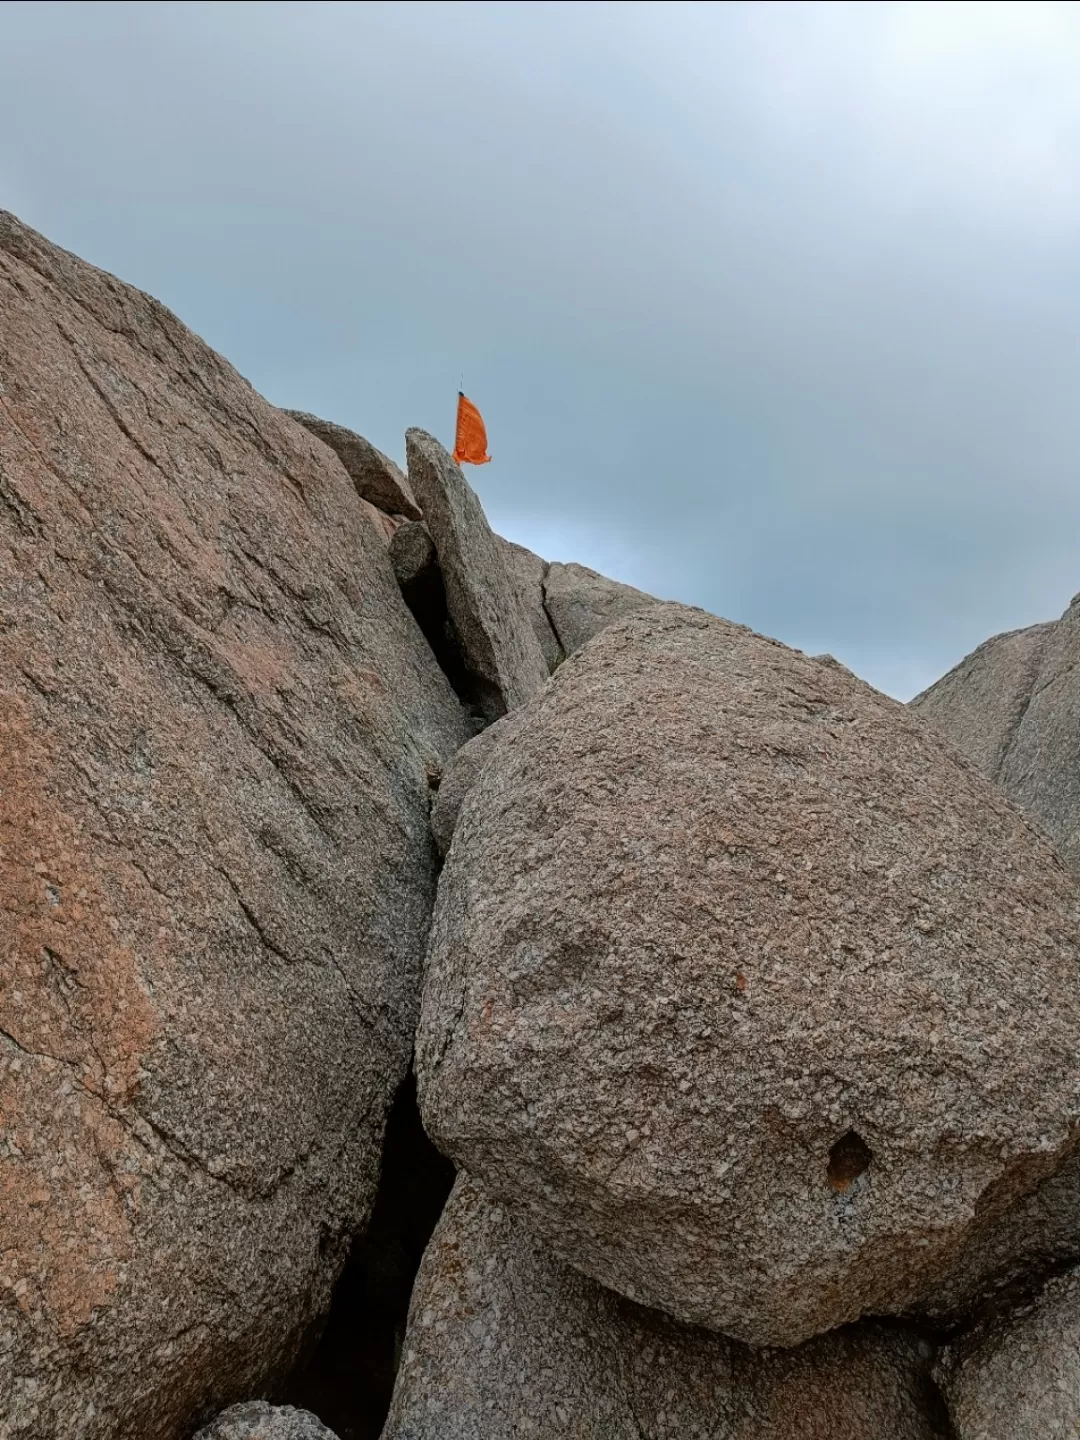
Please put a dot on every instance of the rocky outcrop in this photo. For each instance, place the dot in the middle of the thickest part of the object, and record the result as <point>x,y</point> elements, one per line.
<point>1011,707</point>
<point>1018,1377</point>
<point>259,1421</point>
<point>498,645</point>
<point>527,573</point>
<point>377,479</point>
<point>503,1341</point>
<point>742,990</point>
<point>579,603</point>
<point>747,997</point>
<point>219,722</point>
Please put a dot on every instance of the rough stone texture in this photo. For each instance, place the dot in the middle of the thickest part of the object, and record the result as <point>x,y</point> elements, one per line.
<point>1012,707</point>
<point>498,645</point>
<point>461,774</point>
<point>1018,1378</point>
<point>1006,1257</point>
<point>218,720</point>
<point>717,907</point>
<point>259,1421</point>
<point>412,552</point>
<point>504,1342</point>
<point>527,574</point>
<point>980,702</point>
<point>377,479</point>
<point>580,603</point>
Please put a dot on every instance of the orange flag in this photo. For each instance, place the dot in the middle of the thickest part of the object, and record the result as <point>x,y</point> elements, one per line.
<point>470,443</point>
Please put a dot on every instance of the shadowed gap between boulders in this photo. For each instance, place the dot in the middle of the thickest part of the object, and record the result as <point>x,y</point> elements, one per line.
<point>426,598</point>
<point>348,1376</point>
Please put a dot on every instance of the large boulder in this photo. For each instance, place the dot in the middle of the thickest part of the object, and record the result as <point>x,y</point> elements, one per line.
<point>218,722</point>
<point>744,990</point>
<point>505,1342</point>
<point>1012,707</point>
<point>527,573</point>
<point>579,603</point>
<point>258,1421</point>
<point>1017,1377</point>
<point>377,479</point>
<point>499,648</point>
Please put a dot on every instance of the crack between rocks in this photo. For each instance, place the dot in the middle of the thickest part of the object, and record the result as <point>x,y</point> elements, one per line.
<point>451,1029</point>
<point>198,667</point>
<point>547,613</point>
<point>174,1147</point>
<point>283,955</point>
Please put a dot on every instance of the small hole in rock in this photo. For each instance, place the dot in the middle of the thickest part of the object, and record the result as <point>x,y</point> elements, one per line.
<point>849,1158</point>
<point>349,1376</point>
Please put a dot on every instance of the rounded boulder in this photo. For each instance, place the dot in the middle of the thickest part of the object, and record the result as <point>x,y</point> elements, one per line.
<point>744,990</point>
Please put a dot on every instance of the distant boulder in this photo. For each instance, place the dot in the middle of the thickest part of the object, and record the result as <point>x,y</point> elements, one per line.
<point>498,644</point>
<point>527,573</point>
<point>580,603</point>
<point>377,479</point>
<point>1011,706</point>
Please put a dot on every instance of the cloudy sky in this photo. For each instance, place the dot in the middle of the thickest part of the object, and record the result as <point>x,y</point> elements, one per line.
<point>774,309</point>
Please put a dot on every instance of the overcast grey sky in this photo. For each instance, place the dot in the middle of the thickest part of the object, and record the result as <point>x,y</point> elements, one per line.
<point>774,309</point>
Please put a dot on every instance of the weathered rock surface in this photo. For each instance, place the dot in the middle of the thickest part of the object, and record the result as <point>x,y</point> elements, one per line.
<point>527,573</point>
<point>412,552</point>
<point>503,1342</point>
<point>377,479</point>
<point>980,702</point>
<point>1012,708</point>
<point>218,720</point>
<point>499,647</point>
<point>461,774</point>
<point>580,603</point>
<point>743,990</point>
<point>258,1421</point>
<point>1018,1377</point>
<point>1011,1254</point>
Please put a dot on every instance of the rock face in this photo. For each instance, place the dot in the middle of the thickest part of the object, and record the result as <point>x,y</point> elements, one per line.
<point>505,1342</point>
<point>527,574</point>
<point>412,553</point>
<point>1018,1378</point>
<point>461,774</point>
<point>580,603</point>
<point>742,990</point>
<point>1012,1254</point>
<point>218,721</point>
<point>1011,707</point>
<point>377,479</point>
<point>259,1421</point>
<point>499,647</point>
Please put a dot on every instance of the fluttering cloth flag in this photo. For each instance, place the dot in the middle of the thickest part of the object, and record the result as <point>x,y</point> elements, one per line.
<point>470,443</point>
